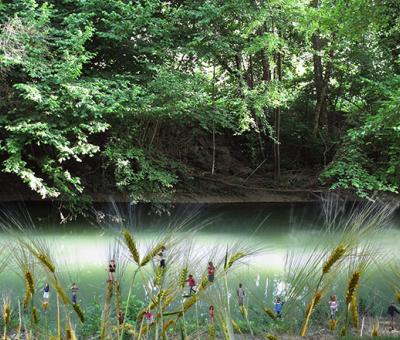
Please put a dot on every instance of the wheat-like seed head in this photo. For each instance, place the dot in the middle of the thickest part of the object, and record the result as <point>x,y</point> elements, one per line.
<point>35,315</point>
<point>270,313</point>
<point>168,299</point>
<point>68,333</point>
<point>46,262</point>
<point>235,257</point>
<point>61,292</point>
<point>243,311</point>
<point>131,244</point>
<point>212,331</point>
<point>203,283</point>
<point>27,296</point>
<point>79,312</point>
<point>159,275</point>
<point>109,292</point>
<point>225,330</point>
<point>352,286</point>
<point>182,277</point>
<point>189,303</point>
<point>335,256</point>
<point>166,326</point>
<point>6,311</point>
<point>118,296</point>
<point>375,330</point>
<point>29,281</point>
<point>236,326</point>
<point>354,312</point>
<point>317,298</point>
<point>332,324</point>
<point>150,255</point>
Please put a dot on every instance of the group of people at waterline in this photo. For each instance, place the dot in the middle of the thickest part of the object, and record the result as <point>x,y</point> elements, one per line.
<point>191,283</point>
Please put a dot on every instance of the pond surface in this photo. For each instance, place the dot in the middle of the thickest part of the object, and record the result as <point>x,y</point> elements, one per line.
<point>82,249</point>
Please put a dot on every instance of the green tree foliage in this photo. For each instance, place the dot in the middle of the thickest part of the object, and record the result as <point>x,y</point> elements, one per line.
<point>104,95</point>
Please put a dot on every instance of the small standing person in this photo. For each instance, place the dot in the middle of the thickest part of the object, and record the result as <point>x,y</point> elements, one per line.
<point>392,309</point>
<point>278,307</point>
<point>211,272</point>
<point>191,283</point>
<point>46,294</point>
<point>111,270</point>
<point>74,291</point>
<point>240,294</point>
<point>162,256</point>
<point>149,317</point>
<point>211,313</point>
<point>333,307</point>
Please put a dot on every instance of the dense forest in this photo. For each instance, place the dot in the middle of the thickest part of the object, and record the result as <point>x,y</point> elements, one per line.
<point>150,97</point>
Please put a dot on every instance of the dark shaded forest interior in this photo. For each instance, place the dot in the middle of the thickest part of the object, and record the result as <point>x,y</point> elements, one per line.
<point>152,99</point>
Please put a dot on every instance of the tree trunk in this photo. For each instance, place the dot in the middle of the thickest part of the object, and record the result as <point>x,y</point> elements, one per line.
<point>277,125</point>
<point>253,113</point>
<point>320,83</point>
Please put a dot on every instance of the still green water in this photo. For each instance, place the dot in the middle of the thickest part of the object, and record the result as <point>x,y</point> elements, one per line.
<point>82,249</point>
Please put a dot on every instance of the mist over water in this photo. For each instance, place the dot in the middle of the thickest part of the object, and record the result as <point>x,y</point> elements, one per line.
<point>82,248</point>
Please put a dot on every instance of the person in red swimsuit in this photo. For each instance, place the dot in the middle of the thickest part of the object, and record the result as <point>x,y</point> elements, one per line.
<point>191,283</point>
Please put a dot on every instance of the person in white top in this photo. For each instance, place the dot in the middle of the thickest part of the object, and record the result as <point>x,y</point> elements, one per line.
<point>240,294</point>
<point>333,306</point>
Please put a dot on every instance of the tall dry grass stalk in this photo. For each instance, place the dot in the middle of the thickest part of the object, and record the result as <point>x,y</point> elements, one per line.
<point>309,309</point>
<point>6,314</point>
<point>375,329</point>
<point>106,313</point>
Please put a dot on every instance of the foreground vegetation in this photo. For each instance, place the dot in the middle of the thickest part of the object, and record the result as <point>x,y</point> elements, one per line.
<point>339,264</point>
<point>150,96</point>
